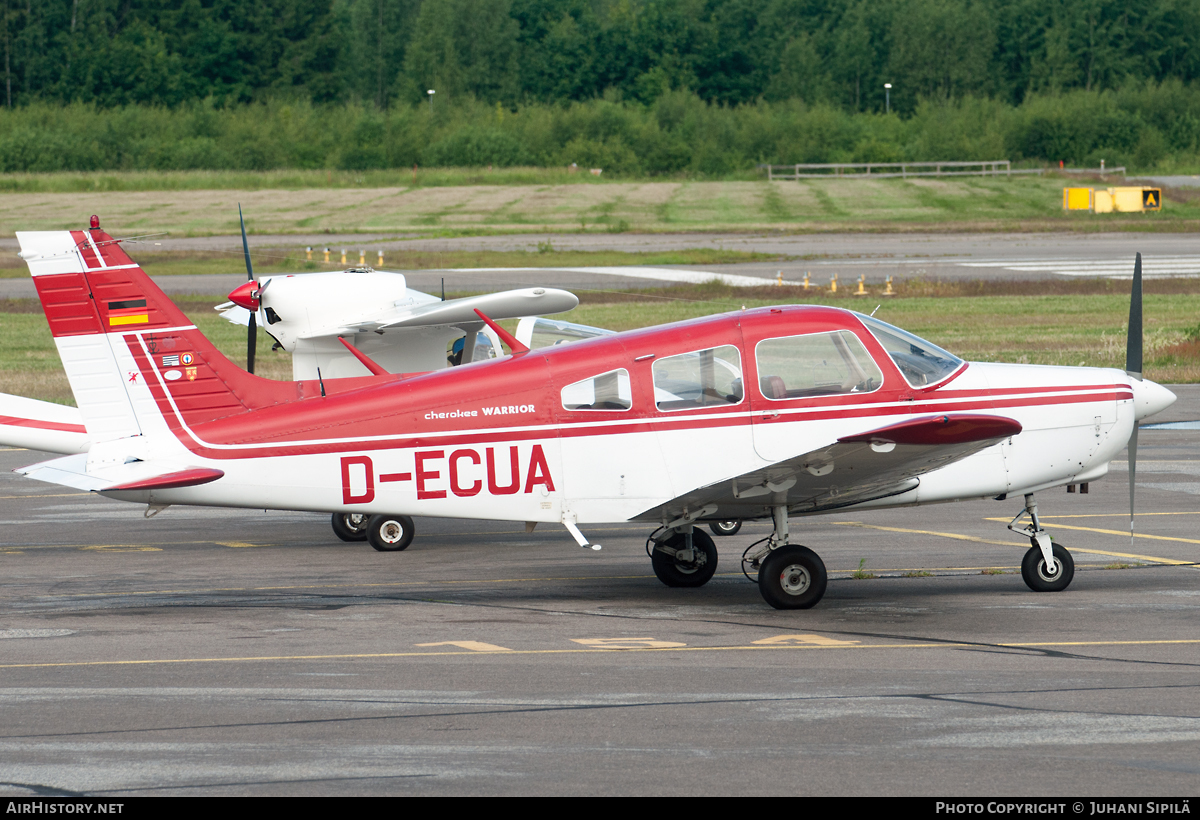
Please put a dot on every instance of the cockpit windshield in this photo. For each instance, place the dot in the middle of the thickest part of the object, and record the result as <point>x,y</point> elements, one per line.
<point>921,362</point>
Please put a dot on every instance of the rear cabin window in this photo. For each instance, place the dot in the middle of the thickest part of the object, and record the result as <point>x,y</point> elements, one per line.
<point>608,391</point>
<point>818,364</point>
<point>702,378</point>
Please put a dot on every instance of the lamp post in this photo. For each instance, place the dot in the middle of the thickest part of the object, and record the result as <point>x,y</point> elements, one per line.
<point>430,92</point>
<point>887,95</point>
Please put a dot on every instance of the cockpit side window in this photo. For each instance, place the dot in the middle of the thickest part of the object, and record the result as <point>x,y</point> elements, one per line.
<point>608,391</point>
<point>920,362</point>
<point>816,364</point>
<point>702,378</point>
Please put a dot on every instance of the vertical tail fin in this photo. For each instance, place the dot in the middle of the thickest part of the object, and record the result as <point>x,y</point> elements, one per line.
<point>135,362</point>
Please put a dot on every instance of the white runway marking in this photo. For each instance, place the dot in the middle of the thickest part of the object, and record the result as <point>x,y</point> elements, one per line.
<point>1152,266</point>
<point>693,277</point>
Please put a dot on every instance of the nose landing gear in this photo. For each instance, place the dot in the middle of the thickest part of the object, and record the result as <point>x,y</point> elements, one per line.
<point>1047,566</point>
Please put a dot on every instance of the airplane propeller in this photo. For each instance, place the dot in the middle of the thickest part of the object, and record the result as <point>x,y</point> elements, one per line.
<point>1133,367</point>
<point>252,337</point>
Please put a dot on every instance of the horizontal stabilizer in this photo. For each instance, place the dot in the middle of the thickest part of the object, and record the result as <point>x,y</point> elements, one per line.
<point>72,471</point>
<point>168,481</point>
<point>69,471</point>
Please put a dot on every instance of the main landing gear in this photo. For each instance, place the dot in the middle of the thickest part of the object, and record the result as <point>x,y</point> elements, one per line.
<point>1047,566</point>
<point>790,576</point>
<point>386,533</point>
<point>684,559</point>
<point>350,526</point>
<point>683,556</point>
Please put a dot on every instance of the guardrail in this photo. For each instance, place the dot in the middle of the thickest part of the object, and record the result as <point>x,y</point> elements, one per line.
<point>883,170</point>
<point>903,170</point>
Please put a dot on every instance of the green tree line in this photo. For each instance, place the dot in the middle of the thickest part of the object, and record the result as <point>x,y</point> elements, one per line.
<point>519,52</point>
<point>1147,126</point>
<point>705,87</point>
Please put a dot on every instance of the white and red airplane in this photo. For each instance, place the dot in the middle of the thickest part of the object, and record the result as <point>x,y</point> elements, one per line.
<point>765,413</point>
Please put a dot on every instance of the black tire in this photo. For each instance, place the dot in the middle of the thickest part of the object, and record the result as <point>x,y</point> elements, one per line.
<point>1033,570</point>
<point>390,533</point>
<point>697,574</point>
<point>792,578</point>
<point>350,526</point>
<point>729,527</point>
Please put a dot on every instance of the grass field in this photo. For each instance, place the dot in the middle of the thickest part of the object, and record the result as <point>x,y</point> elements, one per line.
<point>1064,328</point>
<point>282,261</point>
<point>939,204</point>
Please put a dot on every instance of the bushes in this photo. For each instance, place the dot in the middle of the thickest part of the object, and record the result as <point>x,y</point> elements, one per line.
<point>1150,125</point>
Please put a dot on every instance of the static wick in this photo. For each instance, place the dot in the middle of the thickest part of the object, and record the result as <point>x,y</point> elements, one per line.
<point>877,307</point>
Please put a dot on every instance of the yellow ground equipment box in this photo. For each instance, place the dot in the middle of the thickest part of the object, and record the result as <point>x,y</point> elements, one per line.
<point>1077,199</point>
<point>1124,200</point>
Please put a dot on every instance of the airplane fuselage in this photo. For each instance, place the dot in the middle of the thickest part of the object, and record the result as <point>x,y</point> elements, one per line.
<point>496,440</point>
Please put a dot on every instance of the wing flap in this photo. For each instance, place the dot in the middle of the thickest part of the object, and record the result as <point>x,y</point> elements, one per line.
<point>874,464</point>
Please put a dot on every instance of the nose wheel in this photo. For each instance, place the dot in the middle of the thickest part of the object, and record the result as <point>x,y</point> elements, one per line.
<point>1042,578</point>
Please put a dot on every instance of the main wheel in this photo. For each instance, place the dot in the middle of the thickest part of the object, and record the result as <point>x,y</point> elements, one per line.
<point>792,578</point>
<point>726,527</point>
<point>697,573</point>
<point>350,526</point>
<point>390,533</point>
<point>1033,570</point>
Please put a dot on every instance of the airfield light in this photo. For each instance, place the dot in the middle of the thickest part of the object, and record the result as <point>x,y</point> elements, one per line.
<point>887,93</point>
<point>430,92</point>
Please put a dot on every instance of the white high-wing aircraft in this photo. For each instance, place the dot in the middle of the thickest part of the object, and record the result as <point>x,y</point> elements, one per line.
<point>400,329</point>
<point>767,413</point>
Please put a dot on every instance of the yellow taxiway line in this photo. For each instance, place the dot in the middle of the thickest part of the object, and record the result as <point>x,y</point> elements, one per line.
<point>1123,534</point>
<point>956,536</point>
<point>596,650</point>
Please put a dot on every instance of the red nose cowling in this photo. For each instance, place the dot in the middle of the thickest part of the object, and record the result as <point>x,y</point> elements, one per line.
<point>246,295</point>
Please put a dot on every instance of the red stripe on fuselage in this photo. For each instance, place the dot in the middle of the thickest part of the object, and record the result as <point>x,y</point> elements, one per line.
<point>735,416</point>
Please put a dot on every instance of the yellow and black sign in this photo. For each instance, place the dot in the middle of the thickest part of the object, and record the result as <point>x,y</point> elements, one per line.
<point>1152,199</point>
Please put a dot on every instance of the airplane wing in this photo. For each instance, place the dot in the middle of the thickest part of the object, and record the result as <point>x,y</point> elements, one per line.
<point>508,304</point>
<point>874,464</point>
<point>41,425</point>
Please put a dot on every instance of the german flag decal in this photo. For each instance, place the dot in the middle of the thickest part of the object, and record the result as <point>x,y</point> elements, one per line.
<point>128,312</point>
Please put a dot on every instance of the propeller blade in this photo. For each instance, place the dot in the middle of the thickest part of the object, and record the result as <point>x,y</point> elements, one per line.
<point>1132,476</point>
<point>1133,347</point>
<point>252,335</point>
<point>1133,366</point>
